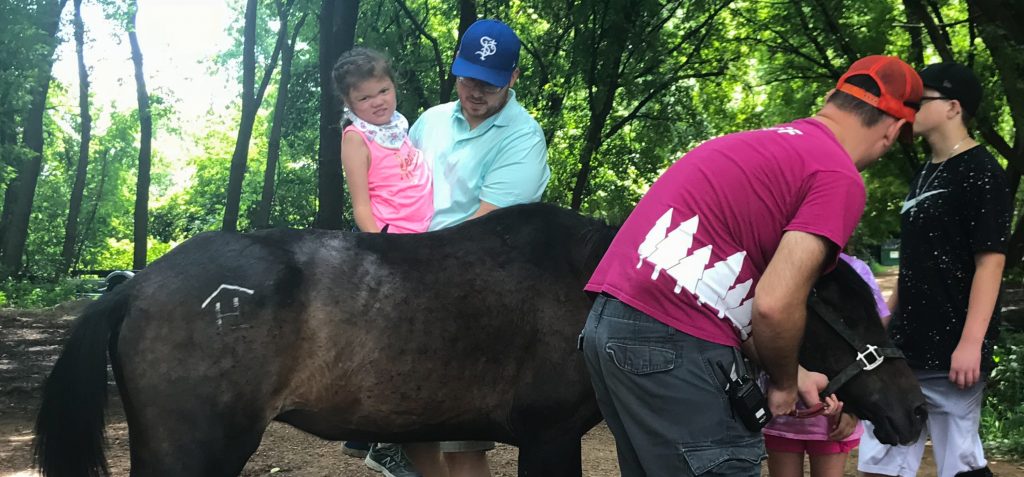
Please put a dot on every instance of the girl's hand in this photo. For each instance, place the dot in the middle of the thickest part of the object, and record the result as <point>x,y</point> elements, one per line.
<point>833,407</point>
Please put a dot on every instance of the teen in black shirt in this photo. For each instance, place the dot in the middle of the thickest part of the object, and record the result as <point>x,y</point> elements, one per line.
<point>955,225</point>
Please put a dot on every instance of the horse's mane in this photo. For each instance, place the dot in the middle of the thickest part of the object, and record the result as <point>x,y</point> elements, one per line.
<point>851,287</point>
<point>581,240</point>
<point>594,240</point>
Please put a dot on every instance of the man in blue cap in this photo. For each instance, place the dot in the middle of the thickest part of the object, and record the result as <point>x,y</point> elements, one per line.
<point>486,152</point>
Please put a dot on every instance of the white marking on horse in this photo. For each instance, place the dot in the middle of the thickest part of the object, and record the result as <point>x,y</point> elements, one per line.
<point>235,303</point>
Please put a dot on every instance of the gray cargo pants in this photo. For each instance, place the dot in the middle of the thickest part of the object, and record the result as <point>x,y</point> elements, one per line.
<point>663,398</point>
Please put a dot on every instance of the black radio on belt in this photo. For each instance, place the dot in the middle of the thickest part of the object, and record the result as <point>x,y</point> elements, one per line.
<point>748,402</point>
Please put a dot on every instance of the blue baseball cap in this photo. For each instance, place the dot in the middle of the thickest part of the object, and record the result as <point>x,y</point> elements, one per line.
<point>489,52</point>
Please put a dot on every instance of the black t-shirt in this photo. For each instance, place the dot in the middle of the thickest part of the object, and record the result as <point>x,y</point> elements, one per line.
<point>954,210</point>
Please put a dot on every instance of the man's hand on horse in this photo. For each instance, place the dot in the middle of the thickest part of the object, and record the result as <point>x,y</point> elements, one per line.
<point>782,401</point>
<point>810,383</point>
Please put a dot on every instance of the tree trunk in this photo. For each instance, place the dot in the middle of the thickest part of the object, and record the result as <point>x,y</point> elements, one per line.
<point>605,44</point>
<point>262,219</point>
<point>337,35</point>
<point>87,229</point>
<point>594,138</point>
<point>75,205</point>
<point>916,54</point>
<point>467,15</point>
<point>141,233</point>
<point>241,154</point>
<point>917,10</point>
<point>21,191</point>
<point>1005,41</point>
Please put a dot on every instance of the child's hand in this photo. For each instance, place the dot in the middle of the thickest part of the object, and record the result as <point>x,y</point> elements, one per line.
<point>833,407</point>
<point>842,427</point>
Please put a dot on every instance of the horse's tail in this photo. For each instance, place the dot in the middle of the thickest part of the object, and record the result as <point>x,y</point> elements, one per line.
<point>70,437</point>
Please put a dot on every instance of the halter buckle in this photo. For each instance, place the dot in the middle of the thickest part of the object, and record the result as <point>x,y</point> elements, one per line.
<point>870,352</point>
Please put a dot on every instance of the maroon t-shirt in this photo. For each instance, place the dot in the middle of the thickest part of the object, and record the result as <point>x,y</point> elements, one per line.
<point>692,251</point>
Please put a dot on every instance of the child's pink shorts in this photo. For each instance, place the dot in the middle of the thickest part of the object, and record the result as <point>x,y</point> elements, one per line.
<point>798,446</point>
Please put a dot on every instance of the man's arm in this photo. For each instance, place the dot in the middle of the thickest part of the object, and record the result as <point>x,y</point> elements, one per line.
<point>519,175</point>
<point>780,311</point>
<point>965,364</point>
<point>484,208</point>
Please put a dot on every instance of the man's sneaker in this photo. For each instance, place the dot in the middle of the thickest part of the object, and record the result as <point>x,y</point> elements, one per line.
<point>357,449</point>
<point>390,460</point>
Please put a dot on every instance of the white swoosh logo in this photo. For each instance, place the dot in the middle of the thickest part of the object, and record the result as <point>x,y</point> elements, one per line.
<point>910,203</point>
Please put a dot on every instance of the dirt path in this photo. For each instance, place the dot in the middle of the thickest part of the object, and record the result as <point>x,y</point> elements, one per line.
<point>29,343</point>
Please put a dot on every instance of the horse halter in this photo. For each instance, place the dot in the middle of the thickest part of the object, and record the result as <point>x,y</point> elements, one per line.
<point>869,356</point>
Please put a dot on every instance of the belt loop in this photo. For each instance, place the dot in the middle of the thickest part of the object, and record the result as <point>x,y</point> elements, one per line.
<point>600,303</point>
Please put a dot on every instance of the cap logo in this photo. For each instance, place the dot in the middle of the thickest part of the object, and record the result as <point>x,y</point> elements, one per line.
<point>947,84</point>
<point>490,47</point>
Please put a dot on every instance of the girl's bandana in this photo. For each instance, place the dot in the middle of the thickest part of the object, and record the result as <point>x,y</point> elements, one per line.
<point>390,135</point>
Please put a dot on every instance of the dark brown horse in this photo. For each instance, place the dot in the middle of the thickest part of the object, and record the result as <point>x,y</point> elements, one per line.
<point>466,333</point>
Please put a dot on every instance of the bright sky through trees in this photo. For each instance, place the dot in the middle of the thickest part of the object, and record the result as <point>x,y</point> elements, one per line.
<point>177,38</point>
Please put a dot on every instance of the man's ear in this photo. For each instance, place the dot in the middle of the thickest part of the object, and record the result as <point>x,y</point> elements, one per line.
<point>515,77</point>
<point>892,133</point>
<point>955,109</point>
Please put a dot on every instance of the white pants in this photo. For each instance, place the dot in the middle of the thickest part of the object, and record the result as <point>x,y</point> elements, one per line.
<point>953,419</point>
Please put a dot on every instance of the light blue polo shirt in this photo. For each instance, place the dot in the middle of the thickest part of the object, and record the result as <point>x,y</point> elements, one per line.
<point>504,161</point>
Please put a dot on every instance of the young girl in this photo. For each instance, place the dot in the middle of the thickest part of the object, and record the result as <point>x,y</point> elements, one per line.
<point>827,440</point>
<point>388,180</point>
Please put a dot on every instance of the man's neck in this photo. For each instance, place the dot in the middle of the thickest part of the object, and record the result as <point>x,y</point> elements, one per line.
<point>848,132</point>
<point>948,140</point>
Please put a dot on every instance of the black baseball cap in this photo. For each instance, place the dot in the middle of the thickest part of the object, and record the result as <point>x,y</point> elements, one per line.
<point>954,81</point>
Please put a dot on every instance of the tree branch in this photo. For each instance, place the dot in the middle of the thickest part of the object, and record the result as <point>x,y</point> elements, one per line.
<point>438,59</point>
<point>826,60</point>
<point>654,92</point>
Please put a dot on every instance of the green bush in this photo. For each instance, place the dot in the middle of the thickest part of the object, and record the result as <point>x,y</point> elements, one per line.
<point>41,294</point>
<point>1002,418</point>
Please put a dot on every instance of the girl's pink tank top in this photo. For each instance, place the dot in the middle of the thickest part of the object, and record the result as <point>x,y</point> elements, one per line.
<point>400,186</point>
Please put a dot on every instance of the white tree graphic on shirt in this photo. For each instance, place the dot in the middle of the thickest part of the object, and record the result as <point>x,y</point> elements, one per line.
<point>714,287</point>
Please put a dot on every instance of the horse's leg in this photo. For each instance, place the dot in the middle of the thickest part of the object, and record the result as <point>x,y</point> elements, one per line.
<point>552,457</point>
<point>191,443</point>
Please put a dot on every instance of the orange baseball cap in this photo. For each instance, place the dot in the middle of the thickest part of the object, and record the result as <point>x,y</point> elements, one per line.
<point>900,85</point>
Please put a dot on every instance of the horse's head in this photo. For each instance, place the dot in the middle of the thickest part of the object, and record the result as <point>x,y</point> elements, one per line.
<point>845,340</point>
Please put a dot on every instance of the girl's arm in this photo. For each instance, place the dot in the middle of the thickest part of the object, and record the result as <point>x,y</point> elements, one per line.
<point>894,303</point>
<point>355,160</point>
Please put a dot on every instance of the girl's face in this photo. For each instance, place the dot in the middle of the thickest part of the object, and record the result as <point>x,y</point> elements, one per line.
<point>373,100</point>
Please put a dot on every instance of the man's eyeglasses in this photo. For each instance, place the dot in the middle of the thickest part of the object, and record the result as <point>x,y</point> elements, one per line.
<point>481,86</point>
<point>933,98</point>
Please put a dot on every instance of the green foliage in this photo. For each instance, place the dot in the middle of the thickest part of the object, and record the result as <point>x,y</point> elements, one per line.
<point>42,293</point>
<point>1002,418</point>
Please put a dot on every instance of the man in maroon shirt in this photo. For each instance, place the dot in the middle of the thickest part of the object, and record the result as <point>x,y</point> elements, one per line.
<point>723,250</point>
